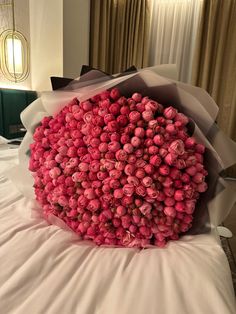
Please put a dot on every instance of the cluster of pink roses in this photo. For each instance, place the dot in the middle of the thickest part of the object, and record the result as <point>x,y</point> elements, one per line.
<point>119,171</point>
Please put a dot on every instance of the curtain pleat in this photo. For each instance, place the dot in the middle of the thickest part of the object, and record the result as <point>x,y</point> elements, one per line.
<point>214,67</point>
<point>119,33</point>
<point>174,26</point>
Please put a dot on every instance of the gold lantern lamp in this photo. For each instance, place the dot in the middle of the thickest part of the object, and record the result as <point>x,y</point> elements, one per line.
<point>14,52</point>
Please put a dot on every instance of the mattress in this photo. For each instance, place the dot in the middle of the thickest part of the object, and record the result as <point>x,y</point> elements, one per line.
<point>45,269</point>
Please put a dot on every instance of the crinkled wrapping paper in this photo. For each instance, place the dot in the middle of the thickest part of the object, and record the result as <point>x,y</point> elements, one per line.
<point>215,204</point>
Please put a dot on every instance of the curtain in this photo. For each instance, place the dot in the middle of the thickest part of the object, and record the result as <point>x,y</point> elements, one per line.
<point>214,66</point>
<point>119,34</point>
<point>174,25</point>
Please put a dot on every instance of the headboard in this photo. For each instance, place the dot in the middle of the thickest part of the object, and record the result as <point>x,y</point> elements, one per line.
<point>12,102</point>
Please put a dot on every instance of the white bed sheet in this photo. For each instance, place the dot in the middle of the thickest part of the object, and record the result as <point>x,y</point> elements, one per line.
<point>46,270</point>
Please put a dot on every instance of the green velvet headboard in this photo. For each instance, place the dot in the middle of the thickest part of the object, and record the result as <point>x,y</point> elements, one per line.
<point>12,102</point>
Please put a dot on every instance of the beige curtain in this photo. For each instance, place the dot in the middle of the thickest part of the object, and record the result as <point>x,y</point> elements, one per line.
<point>214,66</point>
<point>119,31</point>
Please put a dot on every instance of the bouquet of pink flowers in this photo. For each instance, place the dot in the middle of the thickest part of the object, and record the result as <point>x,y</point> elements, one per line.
<point>121,161</point>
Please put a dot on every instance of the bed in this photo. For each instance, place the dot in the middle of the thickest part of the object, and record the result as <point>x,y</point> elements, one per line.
<point>46,270</point>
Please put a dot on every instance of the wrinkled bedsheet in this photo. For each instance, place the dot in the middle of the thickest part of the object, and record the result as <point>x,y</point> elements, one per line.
<point>47,270</point>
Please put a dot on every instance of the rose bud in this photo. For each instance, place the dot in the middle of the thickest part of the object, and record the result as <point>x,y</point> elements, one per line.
<point>132,159</point>
<point>148,142</point>
<point>93,205</point>
<point>191,170</point>
<point>155,160</point>
<point>96,131</point>
<point>181,118</point>
<point>140,163</point>
<point>124,139</point>
<point>134,116</point>
<point>169,201</point>
<point>114,183</point>
<point>147,181</point>
<point>169,191</point>
<point>128,189</point>
<point>109,155</point>
<point>171,129</point>
<point>122,120</point>
<point>121,155</point>
<point>108,118</point>
<point>124,110</point>
<point>115,174</point>
<point>190,142</point>
<point>169,112</point>
<point>116,222</point>
<point>139,132</point>
<point>152,193</point>
<point>147,115</point>
<point>127,200</point>
<point>199,158</point>
<point>158,140</point>
<point>94,166</point>
<point>145,208</point>
<point>200,148</point>
<point>112,126</point>
<point>180,206</point>
<point>137,97</point>
<point>94,142</point>
<point>180,164</point>
<point>167,183</point>
<point>129,170</point>
<point>179,195</point>
<point>170,211</point>
<point>128,148</point>
<point>135,141</point>
<point>109,164</point>
<point>140,190</point>
<point>139,152</point>
<point>188,219</point>
<point>153,150</point>
<point>164,170</point>
<point>190,206</point>
<point>198,178</point>
<point>152,124</point>
<point>176,147</point>
<point>149,169</point>
<point>104,137</point>
<point>175,173</point>
<point>140,107</point>
<point>115,94</point>
<point>150,133</point>
<point>113,146</point>
<point>114,109</point>
<point>152,105</point>
<point>191,161</point>
<point>170,159</point>
<point>140,173</point>
<point>185,178</point>
<point>118,193</point>
<point>163,152</point>
<point>133,180</point>
<point>202,187</point>
<point>103,147</point>
<point>89,194</point>
<point>83,166</point>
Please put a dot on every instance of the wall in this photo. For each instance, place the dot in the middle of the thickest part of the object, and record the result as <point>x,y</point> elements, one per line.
<point>76,16</point>
<point>46,33</point>
<point>58,34</point>
<point>22,25</point>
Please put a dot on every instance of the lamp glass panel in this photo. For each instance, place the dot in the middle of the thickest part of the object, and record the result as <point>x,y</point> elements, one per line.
<point>14,55</point>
